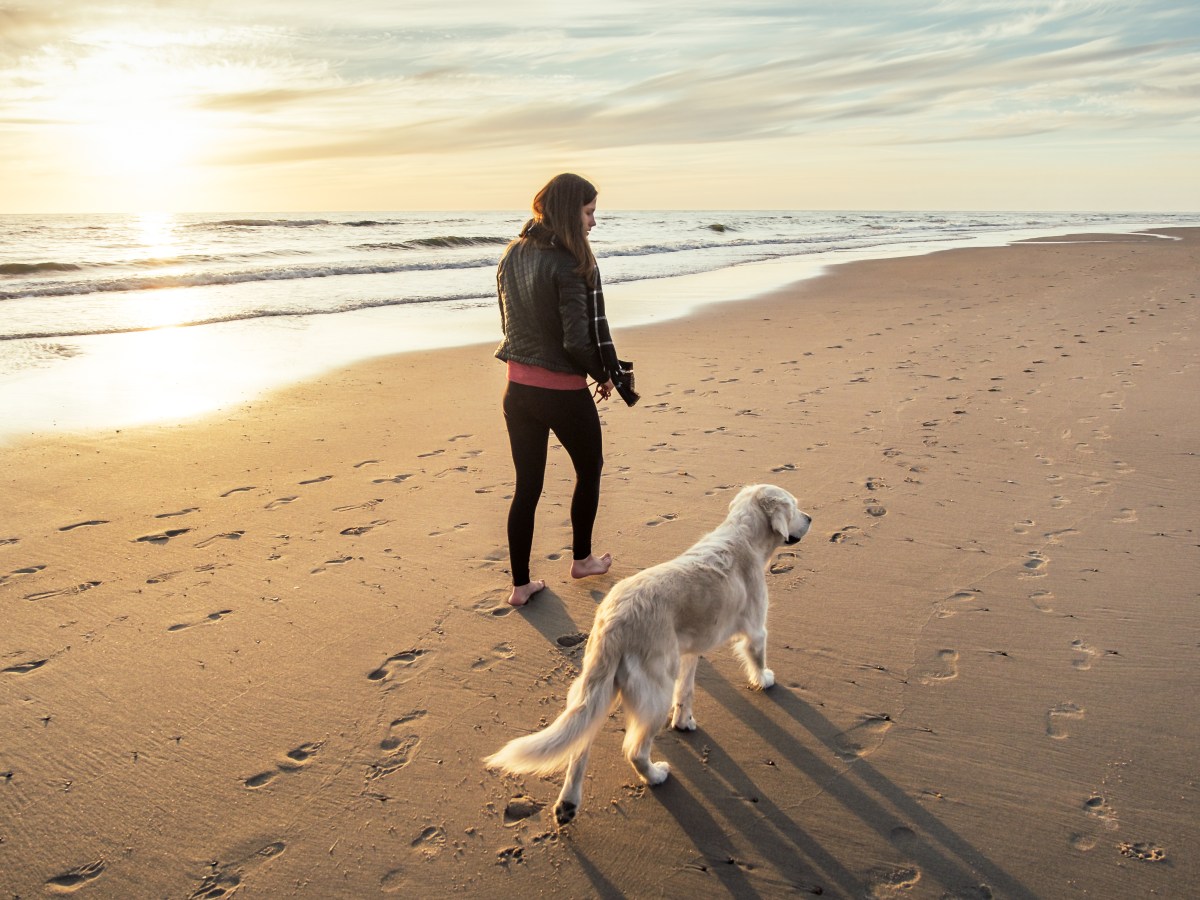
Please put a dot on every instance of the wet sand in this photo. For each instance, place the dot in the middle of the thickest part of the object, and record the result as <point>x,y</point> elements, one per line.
<point>265,653</point>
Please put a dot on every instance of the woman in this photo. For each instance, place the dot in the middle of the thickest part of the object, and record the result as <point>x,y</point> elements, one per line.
<point>555,338</point>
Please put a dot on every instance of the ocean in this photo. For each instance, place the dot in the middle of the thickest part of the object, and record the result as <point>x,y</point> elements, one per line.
<point>109,321</point>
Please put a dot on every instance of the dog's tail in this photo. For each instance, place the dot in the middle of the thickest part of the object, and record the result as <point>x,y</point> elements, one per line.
<point>588,702</point>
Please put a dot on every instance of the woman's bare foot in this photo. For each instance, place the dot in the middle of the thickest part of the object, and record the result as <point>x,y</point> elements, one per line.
<point>593,565</point>
<point>520,595</point>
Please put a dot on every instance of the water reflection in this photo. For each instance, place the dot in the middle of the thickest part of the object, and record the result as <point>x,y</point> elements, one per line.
<point>156,233</point>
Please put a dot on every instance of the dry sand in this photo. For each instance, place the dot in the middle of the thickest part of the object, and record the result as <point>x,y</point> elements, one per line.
<point>265,654</point>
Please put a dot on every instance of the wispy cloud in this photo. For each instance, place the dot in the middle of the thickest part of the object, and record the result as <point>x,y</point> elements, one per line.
<point>297,82</point>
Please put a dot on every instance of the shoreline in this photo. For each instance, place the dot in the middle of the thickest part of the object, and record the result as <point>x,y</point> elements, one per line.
<point>275,639</point>
<point>98,383</point>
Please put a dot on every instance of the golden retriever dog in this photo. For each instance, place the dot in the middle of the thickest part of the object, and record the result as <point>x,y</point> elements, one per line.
<point>648,635</point>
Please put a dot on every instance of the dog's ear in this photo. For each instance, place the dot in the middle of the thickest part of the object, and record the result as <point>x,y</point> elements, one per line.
<point>780,509</point>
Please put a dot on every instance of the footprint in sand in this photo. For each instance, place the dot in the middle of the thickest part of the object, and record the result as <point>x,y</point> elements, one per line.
<point>393,882</point>
<point>784,563</point>
<point>88,524</point>
<point>367,504</point>
<point>1056,537</point>
<point>430,842</point>
<point>316,480</point>
<point>941,667</point>
<point>367,462</point>
<point>876,511</point>
<point>238,490</point>
<point>1058,718</point>
<point>1142,850</point>
<point>399,750</point>
<point>499,653</point>
<point>293,761</point>
<point>17,573</point>
<point>665,517</point>
<point>1035,565</point>
<point>1126,517</point>
<point>1097,807</point>
<point>73,589</point>
<point>227,536</point>
<point>430,453</point>
<point>862,739</point>
<point>395,479</point>
<point>1041,601</point>
<point>405,659</point>
<point>161,537</point>
<point>492,607</point>
<point>1059,501</point>
<point>207,620</point>
<point>179,512</point>
<point>953,604</point>
<point>224,880</point>
<point>24,668</point>
<point>357,530</point>
<point>1083,655</point>
<point>336,561</point>
<point>74,879</point>
<point>281,501</point>
<point>848,534</point>
<point>519,809</point>
<point>892,881</point>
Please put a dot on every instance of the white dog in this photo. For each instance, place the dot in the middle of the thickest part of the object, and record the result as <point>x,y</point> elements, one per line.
<point>648,634</point>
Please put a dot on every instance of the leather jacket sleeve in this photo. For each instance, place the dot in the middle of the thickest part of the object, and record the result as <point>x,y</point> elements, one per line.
<point>544,312</point>
<point>579,340</point>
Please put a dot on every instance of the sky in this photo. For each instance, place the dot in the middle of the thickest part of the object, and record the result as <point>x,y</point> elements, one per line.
<point>293,105</point>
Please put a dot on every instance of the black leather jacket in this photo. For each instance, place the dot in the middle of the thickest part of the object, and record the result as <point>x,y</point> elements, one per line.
<point>544,311</point>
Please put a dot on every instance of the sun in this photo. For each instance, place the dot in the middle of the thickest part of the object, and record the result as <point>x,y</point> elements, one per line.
<point>129,104</point>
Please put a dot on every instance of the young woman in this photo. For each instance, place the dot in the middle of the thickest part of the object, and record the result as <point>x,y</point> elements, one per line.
<point>555,338</point>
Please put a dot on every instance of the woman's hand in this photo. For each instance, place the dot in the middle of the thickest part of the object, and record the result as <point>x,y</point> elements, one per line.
<point>604,391</point>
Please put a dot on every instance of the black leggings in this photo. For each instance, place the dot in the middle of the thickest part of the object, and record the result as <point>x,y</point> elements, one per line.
<point>531,413</point>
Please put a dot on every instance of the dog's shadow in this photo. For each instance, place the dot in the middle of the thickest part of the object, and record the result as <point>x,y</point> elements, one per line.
<point>809,867</point>
<point>549,615</point>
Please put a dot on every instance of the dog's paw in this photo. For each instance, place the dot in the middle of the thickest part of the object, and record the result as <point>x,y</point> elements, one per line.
<point>765,680</point>
<point>681,722</point>
<point>564,812</point>
<point>657,773</point>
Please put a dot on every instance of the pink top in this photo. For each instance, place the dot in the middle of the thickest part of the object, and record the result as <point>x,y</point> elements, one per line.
<point>536,376</point>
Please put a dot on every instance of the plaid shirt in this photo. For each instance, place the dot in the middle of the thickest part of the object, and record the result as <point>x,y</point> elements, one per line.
<point>600,331</point>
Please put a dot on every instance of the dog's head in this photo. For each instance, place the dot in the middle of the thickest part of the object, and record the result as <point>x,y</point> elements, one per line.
<point>783,514</point>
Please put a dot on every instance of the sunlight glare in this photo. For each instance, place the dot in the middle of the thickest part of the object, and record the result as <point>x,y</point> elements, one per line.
<point>156,231</point>
<point>130,99</point>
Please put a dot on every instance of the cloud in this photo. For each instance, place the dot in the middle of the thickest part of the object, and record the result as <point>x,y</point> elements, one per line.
<point>306,84</point>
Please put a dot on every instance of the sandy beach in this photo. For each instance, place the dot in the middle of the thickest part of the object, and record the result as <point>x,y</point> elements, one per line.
<point>263,654</point>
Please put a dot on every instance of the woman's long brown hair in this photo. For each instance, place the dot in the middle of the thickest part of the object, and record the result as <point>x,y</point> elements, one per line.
<point>558,207</point>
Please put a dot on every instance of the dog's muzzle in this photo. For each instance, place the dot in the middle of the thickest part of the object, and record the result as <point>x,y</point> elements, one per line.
<point>796,538</point>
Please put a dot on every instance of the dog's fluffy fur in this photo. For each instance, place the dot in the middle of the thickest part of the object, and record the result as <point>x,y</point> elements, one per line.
<point>648,634</point>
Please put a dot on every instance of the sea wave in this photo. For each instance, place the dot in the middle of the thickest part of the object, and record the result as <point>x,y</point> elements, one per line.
<point>451,240</point>
<point>244,315</point>
<point>222,224</point>
<point>35,268</point>
<point>205,279</point>
<point>259,223</point>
